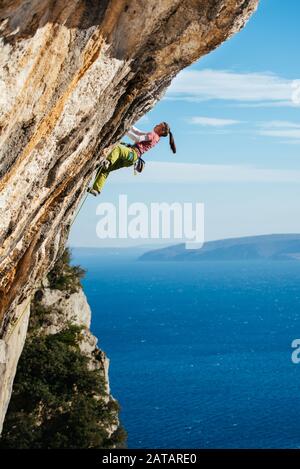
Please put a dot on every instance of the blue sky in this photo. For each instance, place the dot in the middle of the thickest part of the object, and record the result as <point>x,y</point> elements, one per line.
<point>235,118</point>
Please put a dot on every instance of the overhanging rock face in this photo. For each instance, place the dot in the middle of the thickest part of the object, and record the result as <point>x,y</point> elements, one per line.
<point>74,75</point>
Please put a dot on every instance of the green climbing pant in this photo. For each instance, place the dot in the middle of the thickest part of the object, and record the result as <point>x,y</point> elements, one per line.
<point>120,157</point>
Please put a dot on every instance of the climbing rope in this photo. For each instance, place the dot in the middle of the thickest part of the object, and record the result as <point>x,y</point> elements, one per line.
<point>25,307</point>
<point>81,205</point>
<point>77,213</point>
<point>17,321</point>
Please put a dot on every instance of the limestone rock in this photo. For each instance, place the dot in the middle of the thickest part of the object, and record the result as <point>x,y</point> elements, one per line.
<point>11,347</point>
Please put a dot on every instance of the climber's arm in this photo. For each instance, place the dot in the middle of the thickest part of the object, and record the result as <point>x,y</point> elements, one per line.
<point>137,135</point>
<point>137,131</point>
<point>132,136</point>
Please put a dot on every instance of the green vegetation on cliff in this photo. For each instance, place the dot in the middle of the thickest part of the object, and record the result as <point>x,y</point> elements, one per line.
<point>57,400</point>
<point>64,276</point>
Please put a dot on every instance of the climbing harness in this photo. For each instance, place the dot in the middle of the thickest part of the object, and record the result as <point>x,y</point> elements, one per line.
<point>139,165</point>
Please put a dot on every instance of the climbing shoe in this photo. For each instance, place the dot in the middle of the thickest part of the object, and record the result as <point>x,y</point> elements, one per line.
<point>92,191</point>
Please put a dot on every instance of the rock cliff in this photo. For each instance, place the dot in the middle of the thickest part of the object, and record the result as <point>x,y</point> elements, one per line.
<point>73,77</point>
<point>38,404</point>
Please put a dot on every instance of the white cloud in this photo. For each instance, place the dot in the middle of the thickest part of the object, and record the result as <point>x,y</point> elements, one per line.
<point>174,173</point>
<point>286,133</point>
<point>267,104</point>
<point>282,129</point>
<point>281,124</point>
<point>193,85</point>
<point>212,121</point>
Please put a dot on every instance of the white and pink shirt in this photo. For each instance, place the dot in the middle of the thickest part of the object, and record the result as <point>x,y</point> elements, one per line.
<point>144,141</point>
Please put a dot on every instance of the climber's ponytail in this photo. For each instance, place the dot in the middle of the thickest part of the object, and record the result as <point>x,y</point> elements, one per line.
<point>172,142</point>
<point>167,131</point>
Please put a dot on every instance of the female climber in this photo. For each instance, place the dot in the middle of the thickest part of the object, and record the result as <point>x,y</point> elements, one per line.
<point>127,155</point>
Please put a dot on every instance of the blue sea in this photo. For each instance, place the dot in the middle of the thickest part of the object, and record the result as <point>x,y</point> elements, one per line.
<point>200,353</point>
